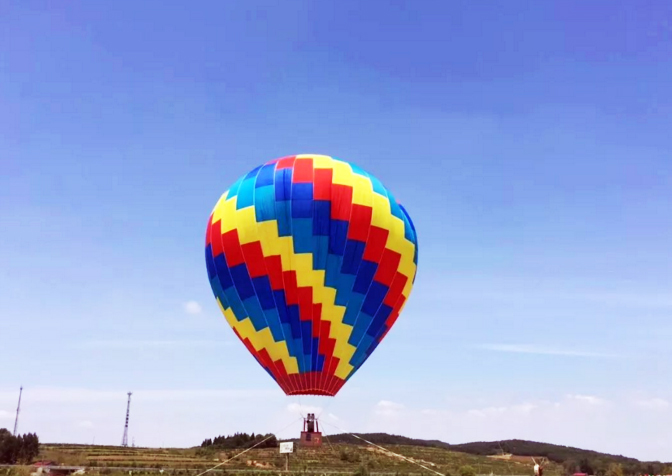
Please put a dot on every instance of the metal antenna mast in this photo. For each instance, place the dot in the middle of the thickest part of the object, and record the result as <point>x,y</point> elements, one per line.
<point>124,442</point>
<point>18,409</point>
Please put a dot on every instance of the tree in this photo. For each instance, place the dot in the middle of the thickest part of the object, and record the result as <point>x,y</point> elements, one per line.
<point>466,470</point>
<point>361,471</point>
<point>614,469</point>
<point>586,466</point>
<point>21,449</point>
<point>570,466</point>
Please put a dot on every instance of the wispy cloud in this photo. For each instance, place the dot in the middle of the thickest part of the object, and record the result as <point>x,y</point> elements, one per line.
<point>654,403</point>
<point>192,307</point>
<point>139,344</point>
<point>589,399</point>
<point>541,350</point>
<point>388,408</point>
<point>521,409</point>
<point>299,409</point>
<point>83,395</point>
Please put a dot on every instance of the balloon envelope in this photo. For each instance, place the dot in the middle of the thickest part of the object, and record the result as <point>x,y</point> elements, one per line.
<point>311,260</point>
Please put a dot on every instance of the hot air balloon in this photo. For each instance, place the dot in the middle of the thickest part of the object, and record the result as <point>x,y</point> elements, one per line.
<point>311,260</point>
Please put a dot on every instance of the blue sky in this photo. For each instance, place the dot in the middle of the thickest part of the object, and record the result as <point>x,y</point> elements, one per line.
<point>529,141</point>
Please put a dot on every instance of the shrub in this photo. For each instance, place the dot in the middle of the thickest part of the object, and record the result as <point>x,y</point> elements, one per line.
<point>361,471</point>
<point>467,470</point>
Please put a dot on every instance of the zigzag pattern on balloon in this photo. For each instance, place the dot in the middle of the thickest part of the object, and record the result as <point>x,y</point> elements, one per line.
<point>311,261</point>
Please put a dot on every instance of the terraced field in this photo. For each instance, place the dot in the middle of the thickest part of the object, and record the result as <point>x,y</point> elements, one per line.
<point>337,458</point>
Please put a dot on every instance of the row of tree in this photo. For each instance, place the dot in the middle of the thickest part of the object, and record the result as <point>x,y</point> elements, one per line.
<point>603,467</point>
<point>18,449</point>
<point>241,440</point>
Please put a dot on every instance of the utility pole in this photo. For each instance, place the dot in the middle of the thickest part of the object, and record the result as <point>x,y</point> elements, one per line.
<point>124,441</point>
<point>18,409</point>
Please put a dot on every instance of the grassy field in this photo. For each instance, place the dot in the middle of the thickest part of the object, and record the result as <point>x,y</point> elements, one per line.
<point>337,458</point>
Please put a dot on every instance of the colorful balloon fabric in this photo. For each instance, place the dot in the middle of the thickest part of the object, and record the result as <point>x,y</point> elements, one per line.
<point>311,260</point>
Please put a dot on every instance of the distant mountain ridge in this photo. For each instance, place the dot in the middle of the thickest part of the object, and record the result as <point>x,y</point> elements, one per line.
<point>583,459</point>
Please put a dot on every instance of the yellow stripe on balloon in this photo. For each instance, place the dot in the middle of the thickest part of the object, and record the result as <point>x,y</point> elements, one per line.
<point>262,339</point>
<point>273,245</point>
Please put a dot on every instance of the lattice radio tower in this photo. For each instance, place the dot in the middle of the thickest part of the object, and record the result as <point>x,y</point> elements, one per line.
<point>18,409</point>
<point>124,441</point>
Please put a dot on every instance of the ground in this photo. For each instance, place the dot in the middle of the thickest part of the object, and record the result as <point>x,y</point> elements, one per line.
<point>337,458</point>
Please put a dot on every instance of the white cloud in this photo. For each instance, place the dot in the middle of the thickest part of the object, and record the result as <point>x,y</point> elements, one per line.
<point>589,399</point>
<point>522,409</point>
<point>192,307</point>
<point>388,408</point>
<point>4,415</point>
<point>541,350</point>
<point>302,410</point>
<point>140,344</point>
<point>653,403</point>
<point>83,395</point>
<point>574,419</point>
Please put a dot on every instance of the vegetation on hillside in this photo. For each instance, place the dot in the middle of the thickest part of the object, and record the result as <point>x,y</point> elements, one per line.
<point>241,440</point>
<point>573,460</point>
<point>386,439</point>
<point>18,449</point>
<point>330,458</point>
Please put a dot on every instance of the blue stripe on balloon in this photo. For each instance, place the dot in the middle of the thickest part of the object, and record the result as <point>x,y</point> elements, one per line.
<point>284,218</point>
<point>338,233</point>
<point>374,298</point>
<point>242,281</point>
<point>246,194</point>
<point>302,235</point>
<point>283,184</point>
<point>352,258</point>
<point>264,203</point>
<point>266,176</point>
<point>262,286</point>
<point>210,262</point>
<point>223,271</point>
<point>321,217</point>
<point>354,305</point>
<point>233,191</point>
<point>256,315</point>
<point>367,271</point>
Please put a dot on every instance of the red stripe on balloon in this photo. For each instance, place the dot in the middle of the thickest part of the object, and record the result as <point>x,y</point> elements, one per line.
<point>317,319</point>
<point>254,259</point>
<point>285,162</point>
<point>360,221</point>
<point>290,287</point>
<point>305,303</point>
<point>395,312</point>
<point>396,288</point>
<point>274,267</point>
<point>216,238</point>
<point>341,202</point>
<point>232,250</point>
<point>303,171</point>
<point>207,232</point>
<point>375,244</point>
<point>322,181</point>
<point>387,268</point>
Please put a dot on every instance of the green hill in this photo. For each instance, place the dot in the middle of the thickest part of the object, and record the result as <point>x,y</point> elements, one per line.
<point>572,459</point>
